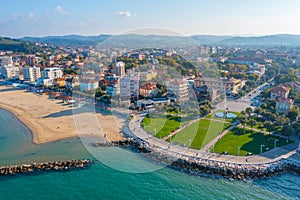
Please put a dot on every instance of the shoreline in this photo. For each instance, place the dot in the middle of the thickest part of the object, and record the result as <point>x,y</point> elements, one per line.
<point>48,121</point>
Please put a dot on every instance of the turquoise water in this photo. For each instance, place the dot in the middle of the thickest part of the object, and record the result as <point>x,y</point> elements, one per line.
<point>102,182</point>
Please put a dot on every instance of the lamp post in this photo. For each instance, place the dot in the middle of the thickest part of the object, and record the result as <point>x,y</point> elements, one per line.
<point>190,142</point>
<point>213,150</point>
<point>275,141</point>
<point>154,131</point>
<point>239,150</point>
<point>261,146</point>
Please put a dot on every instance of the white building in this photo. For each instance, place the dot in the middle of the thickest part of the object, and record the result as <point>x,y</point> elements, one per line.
<point>10,72</point>
<point>113,90</point>
<point>88,85</point>
<point>52,73</point>
<point>6,61</point>
<point>118,69</point>
<point>178,88</point>
<point>129,87</point>
<point>31,73</point>
<point>44,82</point>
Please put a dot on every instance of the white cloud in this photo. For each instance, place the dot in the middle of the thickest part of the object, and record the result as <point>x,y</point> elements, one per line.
<point>60,10</point>
<point>124,13</point>
<point>70,24</point>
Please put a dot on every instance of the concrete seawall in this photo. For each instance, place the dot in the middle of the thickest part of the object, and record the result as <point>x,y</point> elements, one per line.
<point>46,166</point>
<point>200,166</point>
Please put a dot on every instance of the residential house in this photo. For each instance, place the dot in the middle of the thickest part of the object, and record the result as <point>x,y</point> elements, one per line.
<point>283,105</point>
<point>280,91</point>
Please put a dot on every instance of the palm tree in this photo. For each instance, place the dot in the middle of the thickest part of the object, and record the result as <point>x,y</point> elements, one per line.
<point>249,110</point>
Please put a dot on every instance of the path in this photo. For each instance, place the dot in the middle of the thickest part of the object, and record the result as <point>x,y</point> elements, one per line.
<point>135,129</point>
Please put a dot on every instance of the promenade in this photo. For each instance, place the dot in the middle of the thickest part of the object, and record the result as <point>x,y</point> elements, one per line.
<point>267,157</point>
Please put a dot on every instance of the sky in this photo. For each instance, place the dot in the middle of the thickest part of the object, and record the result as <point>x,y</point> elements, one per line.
<point>19,18</point>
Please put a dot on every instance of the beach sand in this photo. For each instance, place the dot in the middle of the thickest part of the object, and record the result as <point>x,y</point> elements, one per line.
<point>50,119</point>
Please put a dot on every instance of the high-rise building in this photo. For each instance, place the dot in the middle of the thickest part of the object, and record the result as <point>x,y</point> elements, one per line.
<point>119,69</point>
<point>31,73</point>
<point>129,87</point>
<point>179,88</point>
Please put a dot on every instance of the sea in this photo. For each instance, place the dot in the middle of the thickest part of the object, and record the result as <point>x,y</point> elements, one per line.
<point>102,181</point>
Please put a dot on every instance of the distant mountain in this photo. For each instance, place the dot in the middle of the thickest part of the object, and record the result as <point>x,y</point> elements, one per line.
<point>169,41</point>
<point>68,39</point>
<point>269,40</point>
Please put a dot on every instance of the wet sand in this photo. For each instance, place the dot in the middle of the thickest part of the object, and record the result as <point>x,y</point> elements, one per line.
<point>50,119</point>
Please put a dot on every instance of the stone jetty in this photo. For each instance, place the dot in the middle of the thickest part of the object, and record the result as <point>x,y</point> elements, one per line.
<point>199,166</point>
<point>46,166</point>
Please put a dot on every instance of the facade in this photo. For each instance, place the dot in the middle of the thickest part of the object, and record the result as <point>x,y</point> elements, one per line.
<point>118,69</point>
<point>129,87</point>
<point>88,85</point>
<point>280,92</point>
<point>31,73</point>
<point>148,90</point>
<point>284,105</point>
<point>113,90</point>
<point>231,86</point>
<point>178,88</point>
<point>6,61</point>
<point>10,72</point>
<point>147,76</point>
<point>44,82</point>
<point>71,82</point>
<point>52,73</point>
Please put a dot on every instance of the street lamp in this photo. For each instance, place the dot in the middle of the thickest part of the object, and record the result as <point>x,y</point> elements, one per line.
<point>239,150</point>
<point>213,150</point>
<point>154,131</point>
<point>261,146</point>
<point>275,141</point>
<point>190,142</point>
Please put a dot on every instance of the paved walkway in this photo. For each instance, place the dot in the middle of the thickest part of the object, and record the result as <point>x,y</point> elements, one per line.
<point>135,129</point>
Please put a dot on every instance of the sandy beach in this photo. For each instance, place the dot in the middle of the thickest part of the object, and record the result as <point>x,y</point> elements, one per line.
<point>50,119</point>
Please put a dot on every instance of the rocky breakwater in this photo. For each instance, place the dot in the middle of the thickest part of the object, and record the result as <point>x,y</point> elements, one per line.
<point>46,166</point>
<point>140,145</point>
<point>199,166</point>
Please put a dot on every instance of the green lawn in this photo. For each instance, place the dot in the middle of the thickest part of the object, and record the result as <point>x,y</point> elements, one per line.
<point>200,133</point>
<point>164,124</point>
<point>248,142</point>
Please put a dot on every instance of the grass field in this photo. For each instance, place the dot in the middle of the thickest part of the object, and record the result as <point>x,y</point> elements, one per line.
<point>248,142</point>
<point>164,125</point>
<point>200,133</point>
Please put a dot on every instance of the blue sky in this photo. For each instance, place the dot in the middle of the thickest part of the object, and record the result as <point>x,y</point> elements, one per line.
<point>20,18</point>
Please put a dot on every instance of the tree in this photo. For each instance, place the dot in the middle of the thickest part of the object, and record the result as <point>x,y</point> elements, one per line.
<point>258,111</point>
<point>282,120</point>
<point>252,122</point>
<point>287,130</point>
<point>269,126</point>
<point>293,114</point>
<point>243,119</point>
<point>249,111</point>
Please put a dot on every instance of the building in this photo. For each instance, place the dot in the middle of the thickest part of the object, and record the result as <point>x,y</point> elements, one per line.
<point>52,73</point>
<point>129,87</point>
<point>178,89</point>
<point>148,90</point>
<point>283,105</point>
<point>231,86</point>
<point>10,72</point>
<point>44,82</point>
<point>6,61</point>
<point>257,69</point>
<point>60,82</point>
<point>72,81</point>
<point>147,76</point>
<point>118,69</point>
<point>280,91</point>
<point>113,90</point>
<point>31,73</point>
<point>88,85</point>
